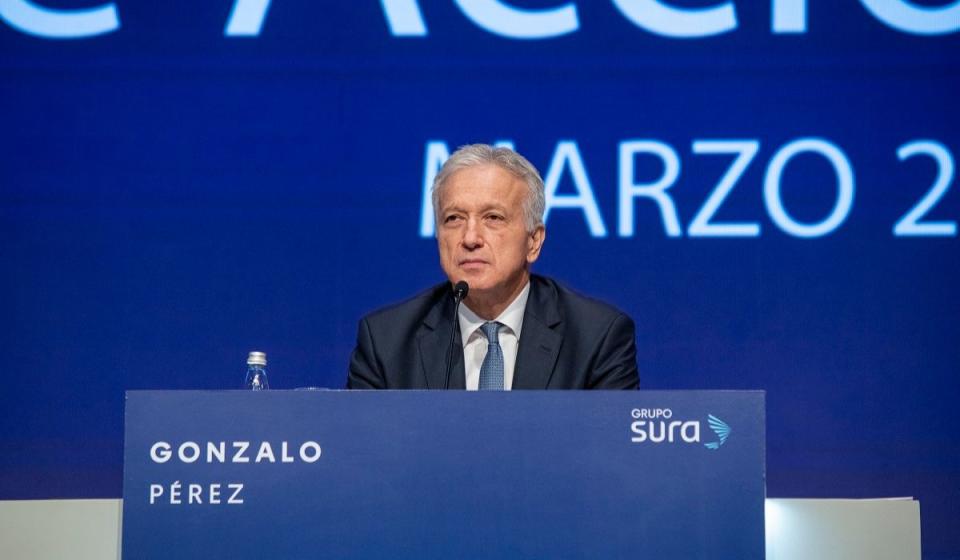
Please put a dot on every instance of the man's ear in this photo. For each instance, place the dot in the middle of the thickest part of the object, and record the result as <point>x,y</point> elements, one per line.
<point>535,243</point>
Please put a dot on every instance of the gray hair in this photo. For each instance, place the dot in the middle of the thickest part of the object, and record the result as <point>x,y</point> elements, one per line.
<point>482,154</point>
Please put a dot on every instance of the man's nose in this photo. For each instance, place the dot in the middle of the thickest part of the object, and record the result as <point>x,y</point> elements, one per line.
<point>472,237</point>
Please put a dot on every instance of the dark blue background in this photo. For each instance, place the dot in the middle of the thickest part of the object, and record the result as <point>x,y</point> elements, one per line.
<point>171,198</point>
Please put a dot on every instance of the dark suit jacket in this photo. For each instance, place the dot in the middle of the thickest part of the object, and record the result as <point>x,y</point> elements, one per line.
<point>567,342</point>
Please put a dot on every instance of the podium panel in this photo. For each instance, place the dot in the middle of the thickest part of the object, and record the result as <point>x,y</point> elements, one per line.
<point>306,474</point>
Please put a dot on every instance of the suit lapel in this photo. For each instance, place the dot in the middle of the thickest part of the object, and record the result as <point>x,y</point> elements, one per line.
<point>540,338</point>
<point>433,345</point>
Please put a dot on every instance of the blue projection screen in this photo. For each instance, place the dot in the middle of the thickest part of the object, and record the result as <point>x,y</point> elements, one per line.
<point>768,188</point>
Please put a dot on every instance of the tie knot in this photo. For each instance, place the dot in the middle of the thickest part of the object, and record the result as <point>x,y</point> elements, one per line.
<point>490,330</point>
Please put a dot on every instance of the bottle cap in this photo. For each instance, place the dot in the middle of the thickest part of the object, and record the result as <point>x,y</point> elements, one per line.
<point>257,359</point>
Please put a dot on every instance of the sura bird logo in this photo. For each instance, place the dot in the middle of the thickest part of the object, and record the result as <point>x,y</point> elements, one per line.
<point>720,428</point>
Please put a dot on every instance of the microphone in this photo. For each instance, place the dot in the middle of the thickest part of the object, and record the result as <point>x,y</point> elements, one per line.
<point>459,293</point>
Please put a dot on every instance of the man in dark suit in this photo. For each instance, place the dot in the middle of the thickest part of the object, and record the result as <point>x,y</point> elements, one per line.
<point>516,330</point>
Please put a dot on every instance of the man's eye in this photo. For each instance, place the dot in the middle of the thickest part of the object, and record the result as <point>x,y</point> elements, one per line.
<point>450,219</point>
<point>496,217</point>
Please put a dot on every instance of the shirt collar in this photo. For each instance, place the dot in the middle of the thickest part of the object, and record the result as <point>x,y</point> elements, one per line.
<point>511,317</point>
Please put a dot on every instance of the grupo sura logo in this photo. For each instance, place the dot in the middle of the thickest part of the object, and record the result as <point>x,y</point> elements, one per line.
<point>658,425</point>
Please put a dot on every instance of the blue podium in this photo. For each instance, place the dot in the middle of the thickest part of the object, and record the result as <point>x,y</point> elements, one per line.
<point>348,474</point>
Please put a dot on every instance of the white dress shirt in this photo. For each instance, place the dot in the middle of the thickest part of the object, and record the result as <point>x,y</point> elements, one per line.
<point>475,342</point>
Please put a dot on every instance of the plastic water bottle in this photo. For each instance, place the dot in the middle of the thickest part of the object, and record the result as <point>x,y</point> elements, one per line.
<point>256,379</point>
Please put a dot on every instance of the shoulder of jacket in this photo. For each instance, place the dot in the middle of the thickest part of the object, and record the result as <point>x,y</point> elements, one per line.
<point>571,299</point>
<point>417,304</point>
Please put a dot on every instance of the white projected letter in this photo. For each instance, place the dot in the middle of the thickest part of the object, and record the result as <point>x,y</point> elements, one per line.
<point>845,187</point>
<point>918,20</point>
<point>436,154</point>
<point>655,190</point>
<point>49,23</point>
<point>910,224</point>
<point>701,226</point>
<point>566,154</point>
<point>789,16</point>
<point>404,18</point>
<point>681,23</point>
<point>502,19</point>
<point>246,18</point>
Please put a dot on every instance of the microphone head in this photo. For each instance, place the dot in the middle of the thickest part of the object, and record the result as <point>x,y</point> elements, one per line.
<point>460,290</point>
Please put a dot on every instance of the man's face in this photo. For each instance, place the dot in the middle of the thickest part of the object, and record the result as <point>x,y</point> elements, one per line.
<point>482,234</point>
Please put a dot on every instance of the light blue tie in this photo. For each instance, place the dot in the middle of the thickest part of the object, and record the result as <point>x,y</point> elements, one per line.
<point>491,371</point>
